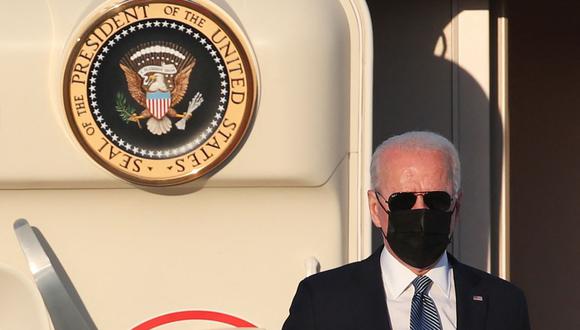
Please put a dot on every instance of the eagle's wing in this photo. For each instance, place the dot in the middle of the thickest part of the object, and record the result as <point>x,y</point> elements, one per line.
<point>134,83</point>
<point>181,81</point>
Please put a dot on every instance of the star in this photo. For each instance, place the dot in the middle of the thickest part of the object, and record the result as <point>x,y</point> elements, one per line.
<point>189,31</point>
<point>182,149</point>
<point>220,67</point>
<point>197,141</point>
<point>118,37</point>
<point>159,153</point>
<point>122,142</point>
<point>128,145</point>
<point>204,136</point>
<point>96,111</point>
<point>115,137</point>
<point>92,88</point>
<point>224,91</point>
<point>213,123</point>
<point>217,60</point>
<point>224,83</point>
<point>222,75</point>
<point>132,29</point>
<point>222,100</point>
<point>111,43</point>
<point>124,32</point>
<point>174,151</point>
<point>181,28</point>
<point>94,104</point>
<point>164,24</point>
<point>166,153</point>
<point>97,64</point>
<point>203,41</point>
<point>218,116</point>
<point>148,24</point>
<point>140,26</point>
<point>208,47</point>
<point>108,131</point>
<point>196,35</point>
<point>135,149</point>
<point>92,80</point>
<point>173,25</point>
<point>208,130</point>
<point>105,49</point>
<point>104,125</point>
<point>93,96</point>
<point>156,23</point>
<point>100,118</point>
<point>221,108</point>
<point>100,57</point>
<point>142,152</point>
<point>213,53</point>
<point>94,72</point>
<point>150,153</point>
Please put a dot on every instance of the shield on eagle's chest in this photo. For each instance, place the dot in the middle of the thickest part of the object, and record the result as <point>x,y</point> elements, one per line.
<point>158,103</point>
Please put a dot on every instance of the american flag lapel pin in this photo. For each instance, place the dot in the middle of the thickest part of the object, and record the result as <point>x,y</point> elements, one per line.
<point>477,298</point>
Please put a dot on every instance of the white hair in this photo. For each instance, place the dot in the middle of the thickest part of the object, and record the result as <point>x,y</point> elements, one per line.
<point>419,140</point>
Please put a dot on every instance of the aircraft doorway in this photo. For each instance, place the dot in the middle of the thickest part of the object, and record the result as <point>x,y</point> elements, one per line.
<point>544,80</point>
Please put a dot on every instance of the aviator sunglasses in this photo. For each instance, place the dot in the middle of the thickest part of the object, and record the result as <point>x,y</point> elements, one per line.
<point>435,200</point>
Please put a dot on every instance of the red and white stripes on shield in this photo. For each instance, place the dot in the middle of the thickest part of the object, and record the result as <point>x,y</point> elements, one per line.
<point>158,103</point>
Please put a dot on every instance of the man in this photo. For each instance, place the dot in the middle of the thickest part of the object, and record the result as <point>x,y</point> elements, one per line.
<point>411,282</point>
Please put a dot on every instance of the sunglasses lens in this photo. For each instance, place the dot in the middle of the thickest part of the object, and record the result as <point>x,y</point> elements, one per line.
<point>402,201</point>
<point>438,200</point>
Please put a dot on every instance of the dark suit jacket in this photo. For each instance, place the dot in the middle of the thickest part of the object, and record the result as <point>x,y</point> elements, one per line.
<point>353,297</point>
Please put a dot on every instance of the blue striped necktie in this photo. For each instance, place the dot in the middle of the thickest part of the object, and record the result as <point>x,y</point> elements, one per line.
<point>424,314</point>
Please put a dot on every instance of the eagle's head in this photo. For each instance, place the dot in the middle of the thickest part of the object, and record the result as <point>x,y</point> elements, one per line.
<point>155,82</point>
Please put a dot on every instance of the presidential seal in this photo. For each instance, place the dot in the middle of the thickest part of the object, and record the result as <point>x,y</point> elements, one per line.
<point>161,92</point>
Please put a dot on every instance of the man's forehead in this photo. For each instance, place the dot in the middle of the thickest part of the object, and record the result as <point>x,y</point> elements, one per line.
<point>414,155</point>
<point>405,164</point>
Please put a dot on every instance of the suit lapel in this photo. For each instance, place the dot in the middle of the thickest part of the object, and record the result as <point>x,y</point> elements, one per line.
<point>471,298</point>
<point>373,313</point>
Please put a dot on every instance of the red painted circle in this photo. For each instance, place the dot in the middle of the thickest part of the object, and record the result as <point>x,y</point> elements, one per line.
<point>194,315</point>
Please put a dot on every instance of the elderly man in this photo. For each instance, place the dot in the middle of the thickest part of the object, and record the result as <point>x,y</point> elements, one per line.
<point>411,282</point>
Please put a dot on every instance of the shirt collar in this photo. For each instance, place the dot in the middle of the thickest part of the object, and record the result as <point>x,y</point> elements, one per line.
<point>397,278</point>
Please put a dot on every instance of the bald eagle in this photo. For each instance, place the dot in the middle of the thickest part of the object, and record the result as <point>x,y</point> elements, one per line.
<point>158,93</point>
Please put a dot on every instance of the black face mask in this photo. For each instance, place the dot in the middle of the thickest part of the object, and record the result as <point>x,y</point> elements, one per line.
<point>418,236</point>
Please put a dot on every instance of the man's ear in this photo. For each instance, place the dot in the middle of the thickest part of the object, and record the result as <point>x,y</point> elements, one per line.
<point>458,201</point>
<point>455,219</point>
<point>374,208</point>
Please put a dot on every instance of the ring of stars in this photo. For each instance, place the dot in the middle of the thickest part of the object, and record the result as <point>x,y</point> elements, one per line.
<point>205,133</point>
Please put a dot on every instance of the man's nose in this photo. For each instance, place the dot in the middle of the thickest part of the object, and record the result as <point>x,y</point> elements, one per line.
<point>420,203</point>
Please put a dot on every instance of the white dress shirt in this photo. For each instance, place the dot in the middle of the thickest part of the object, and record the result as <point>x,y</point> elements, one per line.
<point>399,291</point>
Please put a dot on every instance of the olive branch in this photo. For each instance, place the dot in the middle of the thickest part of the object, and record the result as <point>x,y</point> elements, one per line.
<point>125,111</point>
